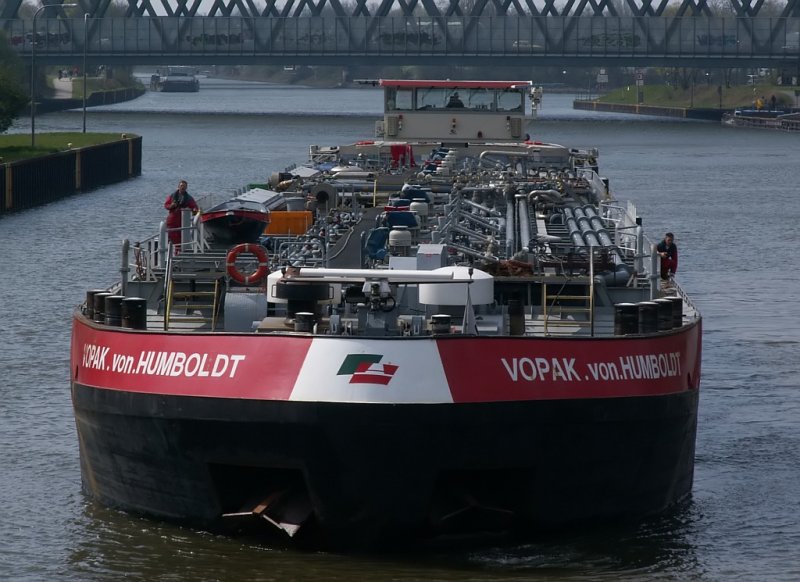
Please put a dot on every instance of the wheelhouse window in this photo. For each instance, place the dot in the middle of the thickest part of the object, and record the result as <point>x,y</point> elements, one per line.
<point>432,98</point>
<point>480,100</point>
<point>437,98</point>
<point>510,100</point>
<point>399,99</point>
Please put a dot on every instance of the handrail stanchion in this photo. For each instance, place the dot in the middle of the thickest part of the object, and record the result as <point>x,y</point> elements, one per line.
<point>654,273</point>
<point>639,264</point>
<point>167,287</point>
<point>163,247</point>
<point>125,266</point>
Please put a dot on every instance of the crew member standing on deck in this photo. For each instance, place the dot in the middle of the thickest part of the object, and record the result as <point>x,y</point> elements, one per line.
<point>455,101</point>
<point>175,204</point>
<point>668,251</point>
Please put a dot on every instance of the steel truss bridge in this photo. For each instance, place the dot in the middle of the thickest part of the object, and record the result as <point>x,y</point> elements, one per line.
<point>407,32</point>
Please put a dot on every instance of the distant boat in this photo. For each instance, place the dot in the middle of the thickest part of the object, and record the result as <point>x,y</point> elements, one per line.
<point>764,119</point>
<point>178,80</point>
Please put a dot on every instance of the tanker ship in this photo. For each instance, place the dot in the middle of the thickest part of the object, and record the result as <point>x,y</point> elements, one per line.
<point>449,329</point>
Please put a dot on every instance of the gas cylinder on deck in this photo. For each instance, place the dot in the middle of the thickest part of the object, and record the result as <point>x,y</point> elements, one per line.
<point>400,241</point>
<point>113,309</point>
<point>664,313</point>
<point>648,317</point>
<point>99,301</point>
<point>420,207</point>
<point>626,318</point>
<point>677,310</point>
<point>133,313</point>
<point>89,308</point>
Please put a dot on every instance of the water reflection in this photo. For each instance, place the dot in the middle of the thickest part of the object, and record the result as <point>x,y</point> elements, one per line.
<point>112,544</point>
<point>657,547</point>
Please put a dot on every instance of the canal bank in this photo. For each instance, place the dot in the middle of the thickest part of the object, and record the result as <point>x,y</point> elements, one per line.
<point>95,99</point>
<point>704,114</point>
<point>705,102</point>
<point>36,181</point>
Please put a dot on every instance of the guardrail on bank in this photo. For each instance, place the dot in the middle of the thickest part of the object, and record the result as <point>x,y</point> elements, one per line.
<point>29,183</point>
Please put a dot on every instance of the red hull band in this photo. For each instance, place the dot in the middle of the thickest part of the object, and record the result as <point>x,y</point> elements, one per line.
<point>441,370</point>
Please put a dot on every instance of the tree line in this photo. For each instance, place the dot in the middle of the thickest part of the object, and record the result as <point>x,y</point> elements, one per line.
<point>12,93</point>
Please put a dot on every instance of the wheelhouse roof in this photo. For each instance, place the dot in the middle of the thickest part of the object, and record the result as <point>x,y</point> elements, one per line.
<point>449,84</point>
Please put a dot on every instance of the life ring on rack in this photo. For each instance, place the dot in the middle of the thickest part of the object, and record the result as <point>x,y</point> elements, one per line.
<point>254,277</point>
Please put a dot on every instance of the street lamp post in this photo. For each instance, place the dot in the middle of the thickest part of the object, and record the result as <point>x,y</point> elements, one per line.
<point>33,76</point>
<point>33,69</point>
<point>85,38</point>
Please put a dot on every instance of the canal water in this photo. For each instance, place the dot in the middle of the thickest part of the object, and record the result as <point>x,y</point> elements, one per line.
<point>729,195</point>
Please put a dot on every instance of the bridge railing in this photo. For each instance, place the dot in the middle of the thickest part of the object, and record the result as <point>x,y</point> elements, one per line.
<point>399,36</point>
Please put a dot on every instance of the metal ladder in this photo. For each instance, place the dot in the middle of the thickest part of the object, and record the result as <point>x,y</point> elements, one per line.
<point>551,302</point>
<point>205,302</point>
<point>553,312</point>
<point>199,304</point>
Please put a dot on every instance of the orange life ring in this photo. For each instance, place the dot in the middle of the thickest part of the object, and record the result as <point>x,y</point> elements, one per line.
<point>257,275</point>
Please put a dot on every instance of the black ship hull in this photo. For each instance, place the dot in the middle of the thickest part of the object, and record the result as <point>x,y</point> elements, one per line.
<point>365,474</point>
<point>169,86</point>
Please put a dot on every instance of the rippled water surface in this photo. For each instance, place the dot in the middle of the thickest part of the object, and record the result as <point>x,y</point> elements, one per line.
<point>729,195</point>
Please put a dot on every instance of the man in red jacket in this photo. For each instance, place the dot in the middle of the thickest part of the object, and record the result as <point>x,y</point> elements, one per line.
<point>668,251</point>
<point>175,204</point>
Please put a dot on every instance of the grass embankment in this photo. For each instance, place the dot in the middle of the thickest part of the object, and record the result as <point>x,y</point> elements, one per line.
<point>17,146</point>
<point>703,96</point>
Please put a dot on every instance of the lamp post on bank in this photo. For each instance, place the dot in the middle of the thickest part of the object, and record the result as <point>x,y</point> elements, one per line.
<point>33,68</point>
<point>85,38</point>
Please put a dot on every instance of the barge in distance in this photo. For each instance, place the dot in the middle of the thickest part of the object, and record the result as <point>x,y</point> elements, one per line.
<point>472,336</point>
<point>176,80</point>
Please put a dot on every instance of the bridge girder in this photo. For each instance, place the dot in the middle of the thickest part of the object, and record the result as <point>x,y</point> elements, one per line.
<point>332,35</point>
<point>9,9</point>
